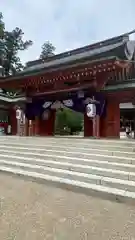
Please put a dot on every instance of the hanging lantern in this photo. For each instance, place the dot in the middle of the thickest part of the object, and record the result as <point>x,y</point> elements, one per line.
<point>68,103</point>
<point>87,100</point>
<point>47,104</point>
<point>91,110</point>
<point>56,105</point>
<point>18,114</point>
<point>46,115</point>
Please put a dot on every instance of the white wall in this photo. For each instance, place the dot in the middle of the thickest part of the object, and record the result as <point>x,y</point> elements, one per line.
<point>127,105</point>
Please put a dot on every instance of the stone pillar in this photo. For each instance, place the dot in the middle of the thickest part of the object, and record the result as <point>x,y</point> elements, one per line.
<point>110,124</point>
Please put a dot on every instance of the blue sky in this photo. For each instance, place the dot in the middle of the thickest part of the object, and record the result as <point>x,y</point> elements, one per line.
<point>67,24</point>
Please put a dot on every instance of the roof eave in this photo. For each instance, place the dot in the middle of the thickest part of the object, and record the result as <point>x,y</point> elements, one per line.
<point>92,62</point>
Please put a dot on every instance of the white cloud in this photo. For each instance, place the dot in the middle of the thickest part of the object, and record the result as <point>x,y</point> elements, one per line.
<point>68,23</point>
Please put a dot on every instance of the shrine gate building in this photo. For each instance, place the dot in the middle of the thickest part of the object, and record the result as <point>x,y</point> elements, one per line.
<point>102,74</point>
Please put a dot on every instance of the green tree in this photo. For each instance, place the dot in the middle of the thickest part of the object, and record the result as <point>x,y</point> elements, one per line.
<point>2,28</point>
<point>47,50</point>
<point>68,121</point>
<point>74,121</point>
<point>10,45</point>
<point>13,44</point>
<point>61,119</point>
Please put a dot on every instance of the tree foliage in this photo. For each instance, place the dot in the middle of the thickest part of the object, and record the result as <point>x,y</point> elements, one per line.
<point>2,28</point>
<point>68,122</point>
<point>11,43</point>
<point>47,50</point>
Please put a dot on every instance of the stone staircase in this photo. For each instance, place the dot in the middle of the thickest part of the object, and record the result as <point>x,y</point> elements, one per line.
<point>104,168</point>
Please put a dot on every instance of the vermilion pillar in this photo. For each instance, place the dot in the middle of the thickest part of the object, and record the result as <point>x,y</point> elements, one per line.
<point>91,126</point>
<point>96,126</point>
<point>26,127</point>
<point>47,126</point>
<point>37,126</point>
<point>33,127</point>
<point>30,129</point>
<point>13,121</point>
<point>88,126</point>
<point>110,124</point>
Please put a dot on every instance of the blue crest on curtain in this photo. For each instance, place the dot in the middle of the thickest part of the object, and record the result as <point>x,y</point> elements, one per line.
<point>78,104</point>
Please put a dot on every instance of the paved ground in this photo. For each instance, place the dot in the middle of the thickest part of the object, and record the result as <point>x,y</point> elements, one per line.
<point>38,212</point>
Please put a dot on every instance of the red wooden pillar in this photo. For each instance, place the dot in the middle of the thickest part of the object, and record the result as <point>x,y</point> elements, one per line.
<point>103,127</point>
<point>110,124</point>
<point>88,126</point>
<point>96,126</point>
<point>26,127</point>
<point>91,126</point>
<point>37,126</point>
<point>47,126</point>
<point>33,127</point>
<point>30,128</point>
<point>13,121</point>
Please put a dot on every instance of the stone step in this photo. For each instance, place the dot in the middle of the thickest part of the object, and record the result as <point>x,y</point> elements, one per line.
<point>97,190</point>
<point>78,143</point>
<point>69,139</point>
<point>120,171</point>
<point>40,153</point>
<point>83,177</point>
<point>68,151</point>
<point>66,139</point>
<point>116,183</point>
<point>70,145</point>
<point>90,166</point>
<point>90,158</point>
